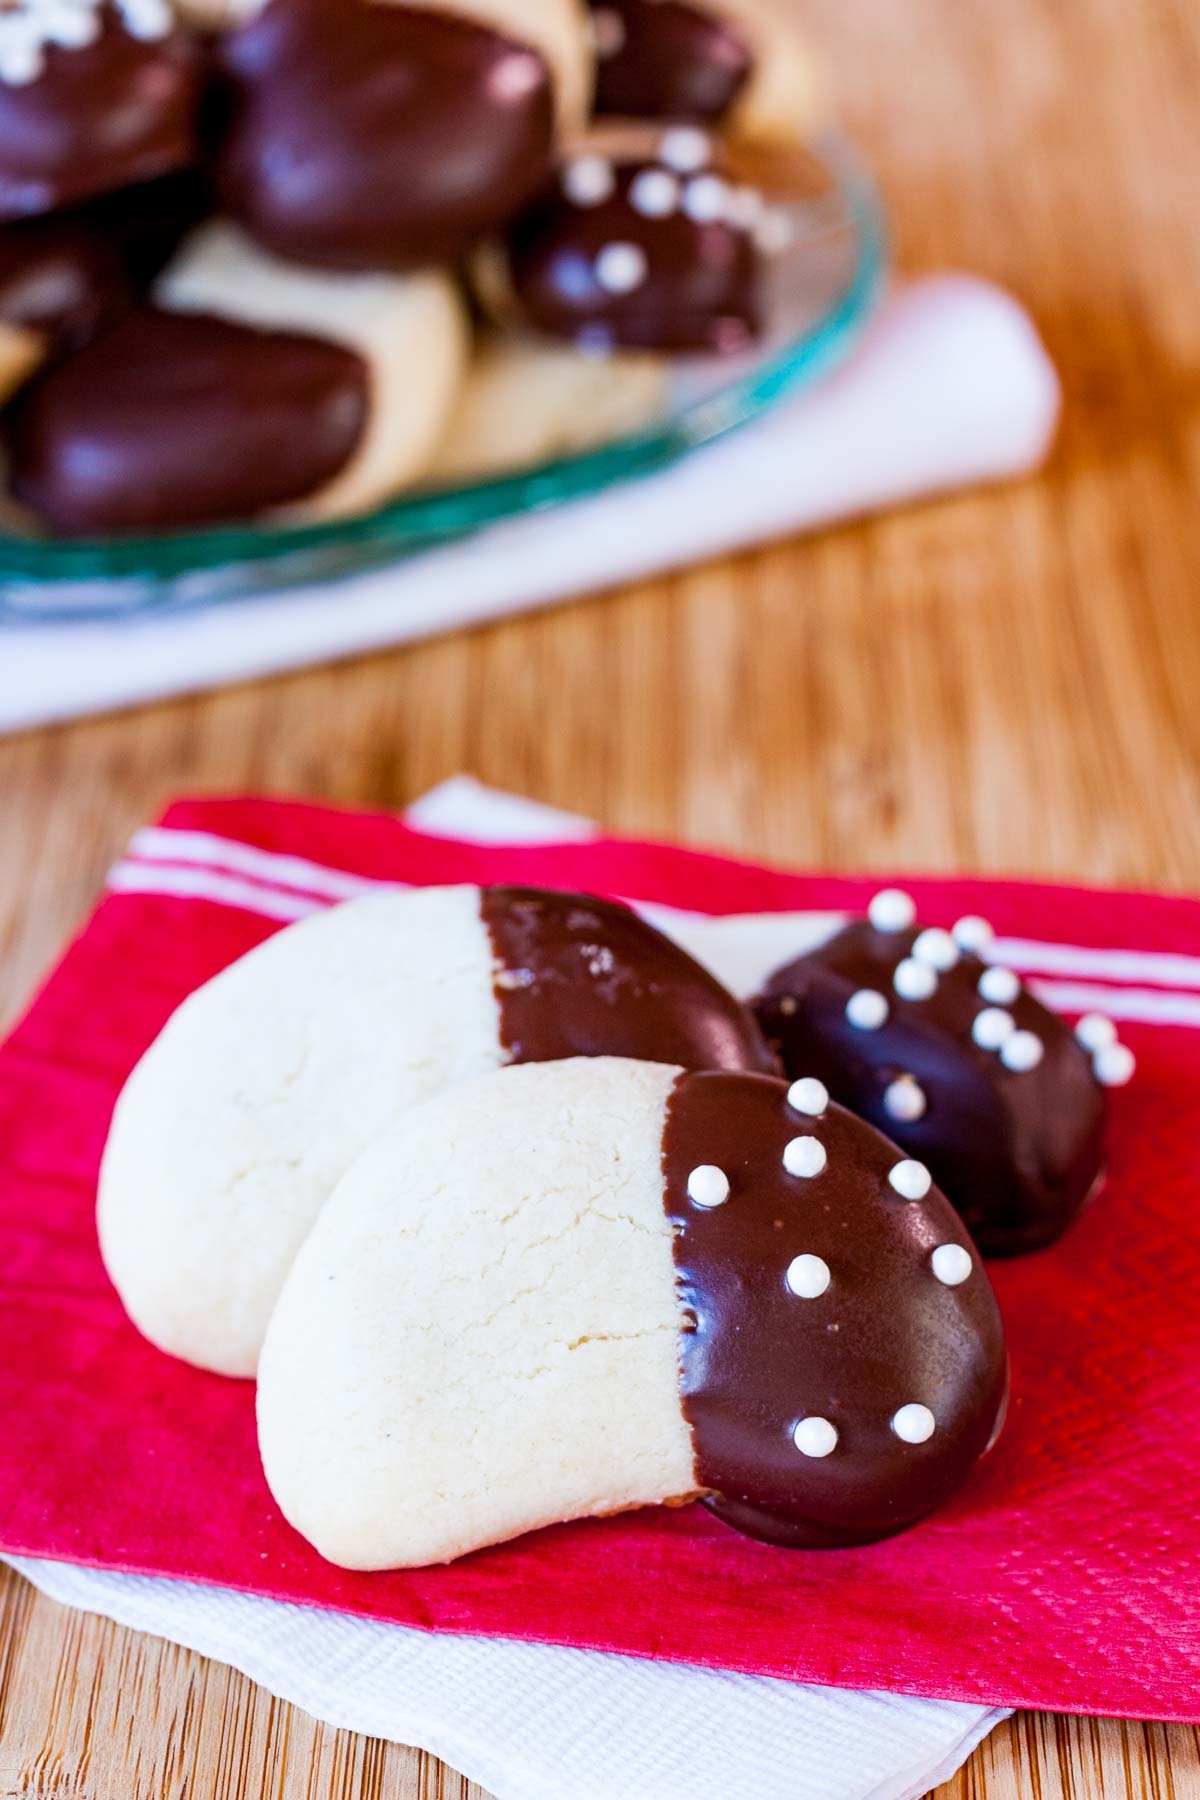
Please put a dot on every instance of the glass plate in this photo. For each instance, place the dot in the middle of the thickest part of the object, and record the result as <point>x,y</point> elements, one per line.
<point>822,291</point>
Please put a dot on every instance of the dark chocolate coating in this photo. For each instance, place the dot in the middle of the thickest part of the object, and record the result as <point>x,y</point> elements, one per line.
<point>145,225</point>
<point>886,1333</point>
<point>578,976</point>
<point>700,292</point>
<point>58,279</point>
<point>673,61</point>
<point>1017,1153</point>
<point>171,420</point>
<point>99,117</point>
<point>368,134</point>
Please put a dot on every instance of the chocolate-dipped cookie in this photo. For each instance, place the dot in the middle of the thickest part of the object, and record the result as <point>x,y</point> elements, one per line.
<point>656,250</point>
<point>376,134</point>
<point>249,388</point>
<point>58,285</point>
<point>610,1284</point>
<point>741,65</point>
<point>957,1061</point>
<point>94,95</point>
<point>267,1082</point>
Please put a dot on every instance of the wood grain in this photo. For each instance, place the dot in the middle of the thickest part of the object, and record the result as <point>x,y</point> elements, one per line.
<point>1006,681</point>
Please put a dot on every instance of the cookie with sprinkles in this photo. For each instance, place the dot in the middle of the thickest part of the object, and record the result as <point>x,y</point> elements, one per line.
<point>657,248</point>
<point>95,95</point>
<point>571,1288</point>
<point>924,1034</point>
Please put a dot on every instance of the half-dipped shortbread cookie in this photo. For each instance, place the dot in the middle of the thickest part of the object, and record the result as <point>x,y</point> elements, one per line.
<point>378,134</point>
<point>59,283</point>
<point>251,386</point>
<point>741,65</point>
<point>94,95</point>
<point>641,240</point>
<point>572,1289</point>
<point>951,1055</point>
<point>268,1081</point>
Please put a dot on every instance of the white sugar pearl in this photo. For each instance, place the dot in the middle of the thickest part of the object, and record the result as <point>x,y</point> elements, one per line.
<point>972,934</point>
<point>904,1099</point>
<point>815,1436</point>
<point>654,193</point>
<point>71,27</point>
<point>608,31</point>
<point>914,1424</point>
<point>804,1156</point>
<point>705,199</point>
<point>915,980</point>
<point>1095,1032</point>
<point>708,1186</point>
<point>1022,1051</point>
<point>911,1180</point>
<point>1113,1065</point>
<point>992,1028</point>
<point>951,1264</point>
<point>937,948</point>
<point>892,910</point>
<point>620,267</point>
<point>999,987</point>
<point>808,1095</point>
<point>774,233</point>
<point>588,180</point>
<point>867,1010</point>
<point>685,148</point>
<point>21,62</point>
<point>808,1277</point>
<point>146,19</point>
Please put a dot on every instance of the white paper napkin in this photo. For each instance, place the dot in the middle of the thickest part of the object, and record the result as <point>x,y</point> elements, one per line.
<point>534,1721</point>
<point>950,387</point>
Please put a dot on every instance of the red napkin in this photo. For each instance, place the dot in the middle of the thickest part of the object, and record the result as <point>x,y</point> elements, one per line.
<point>1065,1575</point>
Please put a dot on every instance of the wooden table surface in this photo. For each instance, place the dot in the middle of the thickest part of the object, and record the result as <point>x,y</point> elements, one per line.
<point>1007,681</point>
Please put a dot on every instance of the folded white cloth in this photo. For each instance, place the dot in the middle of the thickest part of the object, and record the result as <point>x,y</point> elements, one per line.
<point>535,1721</point>
<point>950,387</point>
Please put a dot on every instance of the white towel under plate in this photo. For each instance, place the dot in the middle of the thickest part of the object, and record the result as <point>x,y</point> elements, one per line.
<point>950,387</point>
<point>536,1721</point>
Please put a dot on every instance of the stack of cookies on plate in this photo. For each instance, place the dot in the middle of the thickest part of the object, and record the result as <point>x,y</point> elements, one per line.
<point>286,259</point>
<point>518,1215</point>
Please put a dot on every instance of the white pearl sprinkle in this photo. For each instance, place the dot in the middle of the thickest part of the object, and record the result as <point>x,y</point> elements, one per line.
<point>808,1277</point>
<point>999,987</point>
<point>146,19</point>
<point>708,1186</point>
<point>71,27</point>
<point>914,1424</point>
<point>1095,1032</point>
<point>992,1028</point>
<point>911,1180</point>
<point>1022,1051</point>
<point>951,1264</point>
<point>892,910</point>
<point>588,180</point>
<point>1113,1065</point>
<point>867,1010</point>
<point>815,1436</point>
<point>654,193</point>
<point>808,1095</point>
<point>608,32</point>
<point>774,233</point>
<point>937,948</point>
<point>915,980</point>
<point>705,199</point>
<point>904,1099</point>
<point>685,148</point>
<point>620,267</point>
<point>972,934</point>
<point>805,1156</point>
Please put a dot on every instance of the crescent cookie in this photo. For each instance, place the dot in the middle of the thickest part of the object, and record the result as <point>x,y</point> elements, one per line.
<point>252,387</point>
<point>379,134</point>
<point>570,1289</point>
<point>924,1034</point>
<point>267,1082</point>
